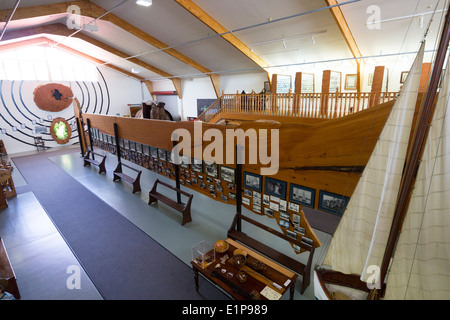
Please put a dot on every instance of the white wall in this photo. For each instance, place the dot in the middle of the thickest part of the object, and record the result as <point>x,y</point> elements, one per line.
<point>111,95</point>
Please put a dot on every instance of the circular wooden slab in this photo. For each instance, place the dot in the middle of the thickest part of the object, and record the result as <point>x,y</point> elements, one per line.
<point>52,97</point>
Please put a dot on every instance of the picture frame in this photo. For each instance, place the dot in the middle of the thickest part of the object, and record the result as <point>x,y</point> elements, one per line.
<point>351,81</point>
<point>403,76</point>
<point>197,165</point>
<point>211,169</point>
<point>335,81</point>
<point>370,79</point>
<point>332,203</point>
<point>185,162</point>
<point>227,174</point>
<point>308,83</point>
<point>302,195</point>
<point>253,181</point>
<point>276,188</point>
<point>154,152</point>
<point>284,83</point>
<point>162,154</point>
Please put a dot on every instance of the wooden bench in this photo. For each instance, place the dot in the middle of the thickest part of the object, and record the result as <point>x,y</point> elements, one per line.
<point>88,161</point>
<point>185,209</point>
<point>7,276</point>
<point>118,175</point>
<point>302,269</point>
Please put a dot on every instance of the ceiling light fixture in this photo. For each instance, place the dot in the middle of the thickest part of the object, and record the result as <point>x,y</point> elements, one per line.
<point>145,3</point>
<point>135,70</point>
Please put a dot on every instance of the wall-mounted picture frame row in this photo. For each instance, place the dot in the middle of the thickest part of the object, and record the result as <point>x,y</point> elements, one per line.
<point>329,202</point>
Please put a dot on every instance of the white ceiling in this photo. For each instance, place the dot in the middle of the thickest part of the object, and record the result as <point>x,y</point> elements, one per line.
<point>170,23</point>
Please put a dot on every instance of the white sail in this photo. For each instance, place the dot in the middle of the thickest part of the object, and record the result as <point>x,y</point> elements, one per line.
<point>421,263</point>
<point>360,239</point>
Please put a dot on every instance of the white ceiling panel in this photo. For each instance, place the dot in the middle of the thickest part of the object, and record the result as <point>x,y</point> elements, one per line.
<point>311,36</point>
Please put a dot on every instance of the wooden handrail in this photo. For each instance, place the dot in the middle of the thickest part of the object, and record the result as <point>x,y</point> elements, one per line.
<point>304,105</point>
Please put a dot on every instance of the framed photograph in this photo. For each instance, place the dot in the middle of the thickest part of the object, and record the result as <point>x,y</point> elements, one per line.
<point>335,81</point>
<point>284,223</point>
<point>197,165</point>
<point>291,234</point>
<point>139,147</point>
<point>403,76</point>
<point>276,188</point>
<point>307,241</point>
<point>132,146</point>
<point>307,82</point>
<point>154,152</point>
<point>284,83</point>
<point>185,161</point>
<point>247,193</point>
<point>370,79</point>
<point>333,203</point>
<point>211,169</point>
<point>302,195</point>
<point>268,211</point>
<point>162,154</point>
<point>146,149</point>
<point>350,81</point>
<point>253,181</point>
<point>227,174</point>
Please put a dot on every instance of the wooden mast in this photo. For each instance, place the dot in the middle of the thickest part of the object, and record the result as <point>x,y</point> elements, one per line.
<point>417,145</point>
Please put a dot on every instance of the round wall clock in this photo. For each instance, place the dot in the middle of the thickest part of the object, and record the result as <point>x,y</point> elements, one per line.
<point>60,130</point>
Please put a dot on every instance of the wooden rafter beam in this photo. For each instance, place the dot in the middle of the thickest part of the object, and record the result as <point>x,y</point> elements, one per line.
<point>204,17</point>
<point>348,36</point>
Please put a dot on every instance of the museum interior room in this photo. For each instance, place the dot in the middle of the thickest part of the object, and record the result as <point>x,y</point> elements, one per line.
<point>198,150</point>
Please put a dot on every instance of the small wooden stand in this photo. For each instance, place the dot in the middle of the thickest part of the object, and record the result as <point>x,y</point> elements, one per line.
<point>302,269</point>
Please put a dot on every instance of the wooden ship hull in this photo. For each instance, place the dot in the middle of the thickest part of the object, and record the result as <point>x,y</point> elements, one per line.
<point>401,256</point>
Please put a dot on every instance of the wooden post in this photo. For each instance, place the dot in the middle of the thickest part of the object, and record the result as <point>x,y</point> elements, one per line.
<point>116,135</point>
<point>238,190</point>
<point>377,86</point>
<point>326,78</point>
<point>90,136</point>
<point>177,176</point>
<point>273,91</point>
<point>80,137</point>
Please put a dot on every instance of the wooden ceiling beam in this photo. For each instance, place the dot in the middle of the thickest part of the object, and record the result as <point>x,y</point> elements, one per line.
<point>349,39</point>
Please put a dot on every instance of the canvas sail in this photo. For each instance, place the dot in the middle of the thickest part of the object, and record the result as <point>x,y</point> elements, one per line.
<point>421,262</point>
<point>360,239</point>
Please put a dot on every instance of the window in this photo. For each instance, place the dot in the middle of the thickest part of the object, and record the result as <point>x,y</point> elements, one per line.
<point>45,64</point>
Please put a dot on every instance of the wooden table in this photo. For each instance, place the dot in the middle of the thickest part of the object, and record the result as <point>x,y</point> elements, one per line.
<point>269,283</point>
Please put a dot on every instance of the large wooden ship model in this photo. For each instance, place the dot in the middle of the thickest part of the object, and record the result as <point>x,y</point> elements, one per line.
<point>392,241</point>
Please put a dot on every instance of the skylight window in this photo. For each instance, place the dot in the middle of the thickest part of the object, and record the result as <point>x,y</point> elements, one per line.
<point>45,64</point>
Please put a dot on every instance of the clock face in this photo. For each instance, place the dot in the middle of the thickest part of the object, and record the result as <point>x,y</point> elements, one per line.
<point>60,130</point>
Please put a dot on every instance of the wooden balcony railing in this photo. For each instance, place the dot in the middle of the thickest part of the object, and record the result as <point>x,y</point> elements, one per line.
<point>306,105</point>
